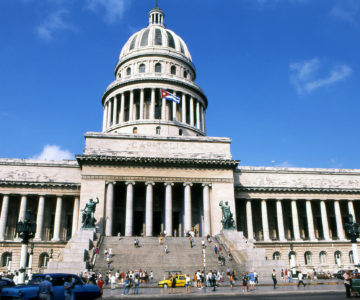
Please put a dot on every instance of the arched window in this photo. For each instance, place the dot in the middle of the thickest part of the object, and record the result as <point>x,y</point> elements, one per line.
<point>135,130</point>
<point>337,256</point>
<point>158,37</point>
<point>185,74</point>
<point>292,259</point>
<point>158,68</point>
<point>323,258</point>
<point>142,68</point>
<point>128,71</point>
<point>171,42</point>
<point>158,130</point>
<point>351,257</point>
<point>307,257</point>
<point>43,260</point>
<point>145,38</point>
<point>5,259</point>
<point>276,255</point>
<point>119,75</point>
<point>180,132</point>
<point>132,44</point>
<point>173,70</point>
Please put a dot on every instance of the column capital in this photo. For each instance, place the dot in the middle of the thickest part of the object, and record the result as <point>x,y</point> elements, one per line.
<point>130,182</point>
<point>206,184</point>
<point>187,184</point>
<point>112,182</point>
<point>168,183</point>
<point>149,183</point>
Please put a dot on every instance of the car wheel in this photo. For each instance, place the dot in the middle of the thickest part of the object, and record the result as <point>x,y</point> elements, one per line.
<point>165,286</point>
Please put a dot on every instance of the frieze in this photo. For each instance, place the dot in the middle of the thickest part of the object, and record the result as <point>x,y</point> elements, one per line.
<point>295,189</point>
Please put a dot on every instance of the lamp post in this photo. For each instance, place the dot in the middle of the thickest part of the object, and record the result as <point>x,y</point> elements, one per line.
<point>353,232</point>
<point>51,254</point>
<point>9,263</point>
<point>31,259</point>
<point>26,231</point>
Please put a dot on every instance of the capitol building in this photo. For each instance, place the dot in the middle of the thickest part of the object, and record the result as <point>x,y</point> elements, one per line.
<point>154,169</point>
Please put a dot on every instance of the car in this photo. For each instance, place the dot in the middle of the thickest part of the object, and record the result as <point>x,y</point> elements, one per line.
<point>340,274</point>
<point>29,292</point>
<point>180,282</point>
<point>7,282</point>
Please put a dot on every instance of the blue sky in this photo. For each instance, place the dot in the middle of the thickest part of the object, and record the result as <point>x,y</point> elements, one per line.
<point>281,76</point>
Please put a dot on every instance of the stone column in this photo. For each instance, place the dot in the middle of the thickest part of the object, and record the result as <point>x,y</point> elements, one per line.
<point>149,209</point>
<point>57,224</point>
<point>131,106</point>
<point>295,220</point>
<point>109,208</point>
<point>40,218</point>
<point>187,206</point>
<point>202,118</point>
<point>75,221</point>
<point>109,104</point>
<point>197,114</point>
<point>104,117</point>
<point>265,223</point>
<point>206,208</point>
<point>122,108</point>
<point>249,221</point>
<point>23,205</point>
<point>191,111</point>
<point>280,221</point>
<point>324,221</point>
<point>310,220</point>
<point>168,208</point>
<point>183,108</point>
<point>115,110</point>
<point>351,209</point>
<point>142,91</point>
<point>152,104</point>
<point>174,108</point>
<point>339,223</point>
<point>129,208</point>
<point>4,215</point>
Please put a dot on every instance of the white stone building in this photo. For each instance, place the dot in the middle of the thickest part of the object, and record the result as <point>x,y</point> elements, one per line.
<point>154,169</point>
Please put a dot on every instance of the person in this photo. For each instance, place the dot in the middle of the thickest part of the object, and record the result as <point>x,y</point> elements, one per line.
<point>300,278</point>
<point>252,281</point>
<point>203,244</point>
<point>347,283</point>
<point>231,281</point>
<point>166,249</point>
<point>273,276</point>
<point>151,276</point>
<point>214,278</point>
<point>289,276</point>
<point>136,284</point>
<point>127,286</point>
<point>191,241</point>
<point>244,282</point>
<point>119,235</point>
<point>187,283</point>
<point>161,240</point>
<point>16,278</point>
<point>282,275</point>
<point>314,273</point>
<point>173,283</point>
<point>100,283</point>
<point>113,281</point>
<point>216,249</point>
<point>68,289</point>
<point>256,276</point>
<point>174,232</point>
<point>45,291</point>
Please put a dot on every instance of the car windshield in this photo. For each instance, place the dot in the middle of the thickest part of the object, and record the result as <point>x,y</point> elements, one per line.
<point>7,283</point>
<point>56,281</point>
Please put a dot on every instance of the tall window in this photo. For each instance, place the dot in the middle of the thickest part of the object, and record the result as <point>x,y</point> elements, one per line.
<point>323,258</point>
<point>351,257</point>
<point>180,132</point>
<point>338,258</point>
<point>307,257</point>
<point>128,71</point>
<point>276,255</point>
<point>185,74</point>
<point>142,68</point>
<point>5,259</point>
<point>158,130</point>
<point>43,260</point>
<point>158,68</point>
<point>173,70</point>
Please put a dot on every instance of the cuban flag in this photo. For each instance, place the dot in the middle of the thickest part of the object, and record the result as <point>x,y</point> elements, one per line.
<point>170,97</point>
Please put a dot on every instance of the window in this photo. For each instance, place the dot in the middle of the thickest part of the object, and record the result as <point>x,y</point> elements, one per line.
<point>158,68</point>
<point>351,257</point>
<point>171,42</point>
<point>145,38</point>
<point>338,258</point>
<point>173,70</point>
<point>307,257</point>
<point>158,130</point>
<point>5,259</point>
<point>180,132</point>
<point>132,44</point>
<point>43,259</point>
<point>292,259</point>
<point>323,257</point>
<point>158,37</point>
<point>119,75</point>
<point>135,130</point>
<point>128,71</point>
<point>185,74</point>
<point>182,48</point>
<point>276,255</point>
<point>142,68</point>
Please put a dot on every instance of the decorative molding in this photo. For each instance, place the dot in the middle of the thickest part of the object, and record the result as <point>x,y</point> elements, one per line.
<point>296,190</point>
<point>34,184</point>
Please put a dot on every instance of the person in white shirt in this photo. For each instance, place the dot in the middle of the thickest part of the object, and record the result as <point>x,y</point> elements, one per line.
<point>113,281</point>
<point>300,278</point>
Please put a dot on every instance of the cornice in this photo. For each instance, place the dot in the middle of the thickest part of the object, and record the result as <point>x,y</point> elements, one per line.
<point>62,185</point>
<point>239,188</point>
<point>38,163</point>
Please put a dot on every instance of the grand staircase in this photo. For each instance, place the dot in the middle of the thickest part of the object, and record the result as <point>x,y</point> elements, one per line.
<point>150,256</point>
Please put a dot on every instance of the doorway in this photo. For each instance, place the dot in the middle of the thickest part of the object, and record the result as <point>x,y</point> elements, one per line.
<point>157,223</point>
<point>138,223</point>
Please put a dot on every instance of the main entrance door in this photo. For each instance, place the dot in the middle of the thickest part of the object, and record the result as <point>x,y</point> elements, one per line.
<point>157,223</point>
<point>138,223</point>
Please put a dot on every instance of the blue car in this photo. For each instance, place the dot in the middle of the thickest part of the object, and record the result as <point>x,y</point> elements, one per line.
<point>30,291</point>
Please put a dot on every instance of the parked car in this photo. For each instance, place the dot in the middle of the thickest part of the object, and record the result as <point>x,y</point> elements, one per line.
<point>7,282</point>
<point>340,274</point>
<point>29,292</point>
<point>180,282</point>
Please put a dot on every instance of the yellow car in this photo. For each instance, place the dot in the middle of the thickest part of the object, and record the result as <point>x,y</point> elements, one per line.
<point>180,282</point>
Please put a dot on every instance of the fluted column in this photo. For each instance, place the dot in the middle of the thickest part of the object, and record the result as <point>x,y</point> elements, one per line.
<point>131,106</point>
<point>339,223</point>
<point>174,108</point>
<point>191,111</point>
<point>249,221</point>
<point>310,220</point>
<point>57,224</point>
<point>115,110</point>
<point>280,220</point>
<point>206,208</point>
<point>109,104</point>
<point>104,117</point>
<point>122,108</point>
<point>351,209</point>
<point>4,216</point>
<point>295,220</point>
<point>23,205</point>
<point>75,221</point>
<point>129,208</point>
<point>183,108</point>
<point>168,208</point>
<point>202,118</point>
<point>265,222</point>
<point>187,206</point>
<point>109,209</point>
<point>163,109</point>
<point>149,209</point>
<point>40,218</point>
<point>142,91</point>
<point>324,220</point>
<point>197,114</point>
<point>152,104</point>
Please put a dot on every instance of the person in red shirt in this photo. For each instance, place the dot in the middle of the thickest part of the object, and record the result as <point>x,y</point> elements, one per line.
<point>100,283</point>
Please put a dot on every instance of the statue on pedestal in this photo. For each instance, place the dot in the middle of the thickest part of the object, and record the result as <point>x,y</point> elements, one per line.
<point>87,218</point>
<point>227,216</point>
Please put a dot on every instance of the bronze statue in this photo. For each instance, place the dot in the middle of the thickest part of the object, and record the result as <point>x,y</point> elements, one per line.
<point>87,219</point>
<point>227,216</point>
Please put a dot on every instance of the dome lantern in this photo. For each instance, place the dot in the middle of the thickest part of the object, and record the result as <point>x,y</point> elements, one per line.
<point>156,16</point>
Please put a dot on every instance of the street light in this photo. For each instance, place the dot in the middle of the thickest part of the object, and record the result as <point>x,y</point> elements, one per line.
<point>353,232</point>
<point>31,259</point>
<point>26,231</point>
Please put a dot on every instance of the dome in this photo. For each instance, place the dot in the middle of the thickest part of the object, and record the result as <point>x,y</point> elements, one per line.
<point>155,38</point>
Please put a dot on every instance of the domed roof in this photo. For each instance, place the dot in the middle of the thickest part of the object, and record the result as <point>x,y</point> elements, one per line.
<point>155,38</point>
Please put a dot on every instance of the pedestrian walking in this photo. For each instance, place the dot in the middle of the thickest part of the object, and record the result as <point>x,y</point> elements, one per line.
<point>187,283</point>
<point>347,282</point>
<point>216,249</point>
<point>45,291</point>
<point>100,283</point>
<point>127,286</point>
<point>231,281</point>
<point>244,282</point>
<point>273,276</point>
<point>300,278</point>
<point>136,284</point>
<point>113,281</point>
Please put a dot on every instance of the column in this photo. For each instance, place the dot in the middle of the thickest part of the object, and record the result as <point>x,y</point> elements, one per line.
<point>295,220</point>
<point>131,106</point>
<point>115,110</point>
<point>22,211</point>
<point>4,215</point>
<point>109,104</point>
<point>149,209</point>
<point>183,108</point>
<point>191,111</point>
<point>351,209</point>
<point>197,114</point>
<point>168,208</point>
<point>249,221</point>
<point>109,208</point>
<point>75,221</point>
<point>57,225</point>
<point>122,108</point>
<point>324,221</point>
<point>40,218</point>
<point>104,117</point>
<point>187,206</point>
<point>202,118</point>
<point>206,208</point>
<point>310,220</point>
<point>142,91</point>
<point>152,104</point>
<point>265,223</point>
<point>280,220</point>
<point>129,208</point>
<point>339,224</point>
